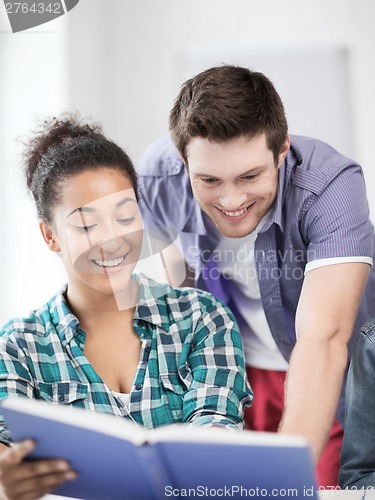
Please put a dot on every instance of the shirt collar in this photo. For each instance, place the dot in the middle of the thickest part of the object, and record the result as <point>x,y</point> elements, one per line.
<point>64,321</point>
<point>292,160</point>
<point>277,209</point>
<point>152,307</point>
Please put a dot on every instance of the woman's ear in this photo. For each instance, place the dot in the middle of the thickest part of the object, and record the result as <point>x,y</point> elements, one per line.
<point>49,236</point>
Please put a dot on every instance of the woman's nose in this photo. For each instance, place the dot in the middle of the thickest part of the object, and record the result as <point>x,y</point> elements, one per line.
<point>110,238</point>
<point>111,245</point>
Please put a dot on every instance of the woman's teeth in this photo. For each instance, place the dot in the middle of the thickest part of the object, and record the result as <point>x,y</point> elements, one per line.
<point>109,263</point>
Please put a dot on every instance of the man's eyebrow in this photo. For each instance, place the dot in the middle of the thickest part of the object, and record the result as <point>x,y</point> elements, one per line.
<point>242,174</point>
<point>91,209</point>
<point>251,170</point>
<point>201,174</point>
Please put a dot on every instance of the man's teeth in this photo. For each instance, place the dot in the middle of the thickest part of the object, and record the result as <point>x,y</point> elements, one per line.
<point>235,214</point>
<point>109,263</point>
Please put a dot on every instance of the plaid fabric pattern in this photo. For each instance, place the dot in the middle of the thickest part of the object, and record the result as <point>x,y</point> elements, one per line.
<point>191,366</point>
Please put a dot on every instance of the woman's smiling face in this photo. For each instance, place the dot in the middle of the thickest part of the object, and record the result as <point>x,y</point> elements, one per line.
<point>97,229</point>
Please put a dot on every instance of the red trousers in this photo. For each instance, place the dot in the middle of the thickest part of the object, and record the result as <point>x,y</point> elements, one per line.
<point>265,415</point>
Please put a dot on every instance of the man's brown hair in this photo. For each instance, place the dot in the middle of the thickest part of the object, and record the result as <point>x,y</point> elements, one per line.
<point>224,103</point>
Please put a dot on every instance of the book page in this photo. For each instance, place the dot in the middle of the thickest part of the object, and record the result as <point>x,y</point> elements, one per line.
<point>184,432</point>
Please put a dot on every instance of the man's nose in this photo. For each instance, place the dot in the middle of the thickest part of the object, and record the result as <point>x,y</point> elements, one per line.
<point>232,198</point>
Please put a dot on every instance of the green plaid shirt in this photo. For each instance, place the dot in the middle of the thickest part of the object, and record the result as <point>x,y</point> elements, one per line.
<point>191,366</point>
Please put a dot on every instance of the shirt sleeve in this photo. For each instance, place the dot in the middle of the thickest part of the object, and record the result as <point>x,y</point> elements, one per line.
<point>162,183</point>
<point>219,392</point>
<point>337,260</point>
<point>336,222</point>
<point>169,212</point>
<point>358,448</point>
<point>15,379</point>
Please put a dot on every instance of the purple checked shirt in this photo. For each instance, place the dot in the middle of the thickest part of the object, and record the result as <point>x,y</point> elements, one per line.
<point>320,212</point>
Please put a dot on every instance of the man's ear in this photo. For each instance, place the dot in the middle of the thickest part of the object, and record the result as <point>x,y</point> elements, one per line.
<point>49,236</point>
<point>284,151</point>
<point>183,160</point>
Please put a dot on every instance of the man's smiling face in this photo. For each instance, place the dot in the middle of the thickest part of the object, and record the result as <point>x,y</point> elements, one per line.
<point>234,182</point>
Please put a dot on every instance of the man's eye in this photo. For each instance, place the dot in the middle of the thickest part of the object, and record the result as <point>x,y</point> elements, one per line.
<point>209,180</point>
<point>250,177</point>
<point>85,228</point>
<point>129,220</point>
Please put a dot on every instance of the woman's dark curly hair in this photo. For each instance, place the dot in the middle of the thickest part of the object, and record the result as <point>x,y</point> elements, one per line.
<point>63,147</point>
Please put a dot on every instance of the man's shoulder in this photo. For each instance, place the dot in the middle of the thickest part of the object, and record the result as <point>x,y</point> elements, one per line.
<point>161,158</point>
<point>316,155</point>
<point>314,163</point>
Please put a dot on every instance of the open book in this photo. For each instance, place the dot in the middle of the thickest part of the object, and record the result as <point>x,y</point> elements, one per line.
<point>117,459</point>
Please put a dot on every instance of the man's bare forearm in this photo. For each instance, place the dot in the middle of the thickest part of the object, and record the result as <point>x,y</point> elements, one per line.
<point>313,388</point>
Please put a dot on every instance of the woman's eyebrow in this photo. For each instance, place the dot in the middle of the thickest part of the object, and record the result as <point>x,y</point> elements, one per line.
<point>81,209</point>
<point>91,209</point>
<point>125,200</point>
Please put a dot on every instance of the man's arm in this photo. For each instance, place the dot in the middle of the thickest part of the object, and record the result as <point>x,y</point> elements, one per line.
<point>324,322</point>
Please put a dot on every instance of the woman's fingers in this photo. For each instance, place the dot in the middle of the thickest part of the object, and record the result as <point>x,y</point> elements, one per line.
<point>35,468</point>
<point>39,486</point>
<point>16,453</point>
<point>28,479</point>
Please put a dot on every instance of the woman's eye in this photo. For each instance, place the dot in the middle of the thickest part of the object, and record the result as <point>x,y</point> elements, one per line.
<point>128,220</point>
<point>85,228</point>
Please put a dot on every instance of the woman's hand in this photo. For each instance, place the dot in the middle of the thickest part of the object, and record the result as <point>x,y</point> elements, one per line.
<point>29,480</point>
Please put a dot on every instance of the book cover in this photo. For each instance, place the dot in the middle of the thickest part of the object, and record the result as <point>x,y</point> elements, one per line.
<point>116,459</point>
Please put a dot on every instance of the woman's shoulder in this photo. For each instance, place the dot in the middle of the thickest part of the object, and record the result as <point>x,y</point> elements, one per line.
<point>181,302</point>
<point>38,321</point>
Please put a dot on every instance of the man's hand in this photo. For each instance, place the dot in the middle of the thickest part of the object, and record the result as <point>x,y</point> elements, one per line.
<point>29,480</point>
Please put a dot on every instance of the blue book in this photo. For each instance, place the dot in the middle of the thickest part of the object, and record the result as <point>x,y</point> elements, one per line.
<point>117,459</point>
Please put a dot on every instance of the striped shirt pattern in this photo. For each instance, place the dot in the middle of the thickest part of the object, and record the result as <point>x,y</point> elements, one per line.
<point>320,213</point>
<point>191,366</point>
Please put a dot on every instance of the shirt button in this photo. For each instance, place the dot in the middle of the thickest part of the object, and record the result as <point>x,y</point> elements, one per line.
<point>138,387</point>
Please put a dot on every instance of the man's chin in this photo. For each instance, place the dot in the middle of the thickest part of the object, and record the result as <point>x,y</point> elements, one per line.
<point>231,231</point>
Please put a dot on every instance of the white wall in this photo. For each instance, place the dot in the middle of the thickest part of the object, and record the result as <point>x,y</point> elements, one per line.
<point>33,69</point>
<point>121,62</point>
<point>145,44</point>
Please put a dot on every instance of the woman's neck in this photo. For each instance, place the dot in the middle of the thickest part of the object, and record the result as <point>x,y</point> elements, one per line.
<point>91,306</point>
